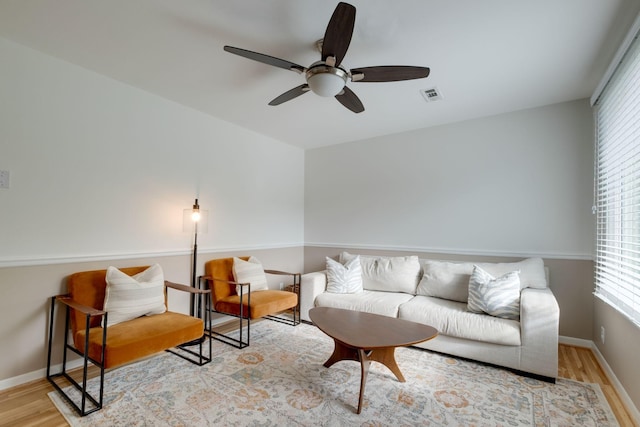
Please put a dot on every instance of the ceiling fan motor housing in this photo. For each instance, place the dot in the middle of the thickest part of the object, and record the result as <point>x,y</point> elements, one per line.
<point>325,80</point>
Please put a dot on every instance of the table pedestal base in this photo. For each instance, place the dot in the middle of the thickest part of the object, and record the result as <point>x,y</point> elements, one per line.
<point>385,355</point>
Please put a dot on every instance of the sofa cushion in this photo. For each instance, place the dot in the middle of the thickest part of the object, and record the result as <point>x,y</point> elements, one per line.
<point>128,297</point>
<point>532,273</point>
<point>250,271</point>
<point>344,279</point>
<point>452,318</point>
<point>383,303</point>
<point>450,280</point>
<point>498,297</point>
<point>388,274</point>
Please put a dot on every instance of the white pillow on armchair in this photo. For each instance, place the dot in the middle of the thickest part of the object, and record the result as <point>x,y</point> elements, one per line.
<point>249,272</point>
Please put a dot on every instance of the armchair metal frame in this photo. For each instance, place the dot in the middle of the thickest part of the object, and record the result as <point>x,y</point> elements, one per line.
<point>243,317</point>
<point>198,358</point>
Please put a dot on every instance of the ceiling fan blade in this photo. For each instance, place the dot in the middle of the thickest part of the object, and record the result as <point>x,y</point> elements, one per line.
<point>350,100</point>
<point>388,73</point>
<point>337,36</point>
<point>270,60</point>
<point>290,94</point>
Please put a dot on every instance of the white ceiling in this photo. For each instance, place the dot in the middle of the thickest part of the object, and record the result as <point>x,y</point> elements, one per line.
<point>486,56</point>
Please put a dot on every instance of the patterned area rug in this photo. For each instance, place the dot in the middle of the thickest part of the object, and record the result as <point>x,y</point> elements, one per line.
<point>279,380</point>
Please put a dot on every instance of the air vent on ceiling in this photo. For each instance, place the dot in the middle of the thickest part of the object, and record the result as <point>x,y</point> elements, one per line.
<point>432,94</point>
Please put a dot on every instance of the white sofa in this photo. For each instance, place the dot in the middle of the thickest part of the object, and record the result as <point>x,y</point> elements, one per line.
<point>435,293</point>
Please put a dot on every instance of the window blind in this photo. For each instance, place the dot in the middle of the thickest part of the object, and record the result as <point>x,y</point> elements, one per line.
<point>617,187</point>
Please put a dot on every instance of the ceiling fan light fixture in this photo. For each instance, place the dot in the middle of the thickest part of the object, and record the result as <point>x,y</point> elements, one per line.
<point>326,81</point>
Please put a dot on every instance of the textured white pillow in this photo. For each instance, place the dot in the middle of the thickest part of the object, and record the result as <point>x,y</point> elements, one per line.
<point>498,297</point>
<point>390,274</point>
<point>249,272</point>
<point>128,297</point>
<point>344,279</point>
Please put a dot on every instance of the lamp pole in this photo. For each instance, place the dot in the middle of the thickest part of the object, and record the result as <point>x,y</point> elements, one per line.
<point>195,216</point>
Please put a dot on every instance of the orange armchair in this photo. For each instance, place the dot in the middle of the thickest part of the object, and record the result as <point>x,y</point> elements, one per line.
<point>248,305</point>
<point>111,346</point>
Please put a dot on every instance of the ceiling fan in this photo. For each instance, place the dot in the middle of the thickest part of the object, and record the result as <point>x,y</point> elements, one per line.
<point>326,77</point>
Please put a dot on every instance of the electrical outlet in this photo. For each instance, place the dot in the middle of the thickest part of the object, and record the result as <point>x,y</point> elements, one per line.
<point>5,181</point>
<point>602,334</point>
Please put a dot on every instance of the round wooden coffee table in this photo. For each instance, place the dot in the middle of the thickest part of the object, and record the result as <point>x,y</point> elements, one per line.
<point>367,337</point>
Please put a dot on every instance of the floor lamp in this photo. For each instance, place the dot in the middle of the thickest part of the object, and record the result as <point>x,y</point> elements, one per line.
<point>194,219</point>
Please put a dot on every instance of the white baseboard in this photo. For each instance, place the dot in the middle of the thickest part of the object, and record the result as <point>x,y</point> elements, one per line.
<point>576,342</point>
<point>626,400</point>
<point>37,375</point>
<point>22,379</point>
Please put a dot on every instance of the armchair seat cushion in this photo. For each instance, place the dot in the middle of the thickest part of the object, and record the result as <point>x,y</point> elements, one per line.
<point>141,337</point>
<point>262,303</point>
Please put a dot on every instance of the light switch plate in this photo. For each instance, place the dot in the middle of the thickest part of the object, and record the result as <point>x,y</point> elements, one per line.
<point>5,179</point>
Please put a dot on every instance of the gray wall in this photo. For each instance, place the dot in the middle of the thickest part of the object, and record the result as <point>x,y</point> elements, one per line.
<point>99,168</point>
<point>518,183</point>
<point>100,175</point>
<point>505,187</point>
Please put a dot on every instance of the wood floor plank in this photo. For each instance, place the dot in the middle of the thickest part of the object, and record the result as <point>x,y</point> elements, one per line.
<point>29,404</point>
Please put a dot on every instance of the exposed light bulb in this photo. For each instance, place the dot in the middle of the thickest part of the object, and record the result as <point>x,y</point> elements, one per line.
<point>195,215</point>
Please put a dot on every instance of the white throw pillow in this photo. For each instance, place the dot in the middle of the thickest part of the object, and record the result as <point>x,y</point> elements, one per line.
<point>389,274</point>
<point>249,272</point>
<point>128,297</point>
<point>344,279</point>
<point>499,297</point>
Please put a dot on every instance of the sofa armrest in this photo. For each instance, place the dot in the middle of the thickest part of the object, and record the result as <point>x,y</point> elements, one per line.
<point>539,323</point>
<point>312,285</point>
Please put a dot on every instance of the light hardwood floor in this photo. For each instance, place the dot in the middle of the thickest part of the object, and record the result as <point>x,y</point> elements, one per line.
<point>29,405</point>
